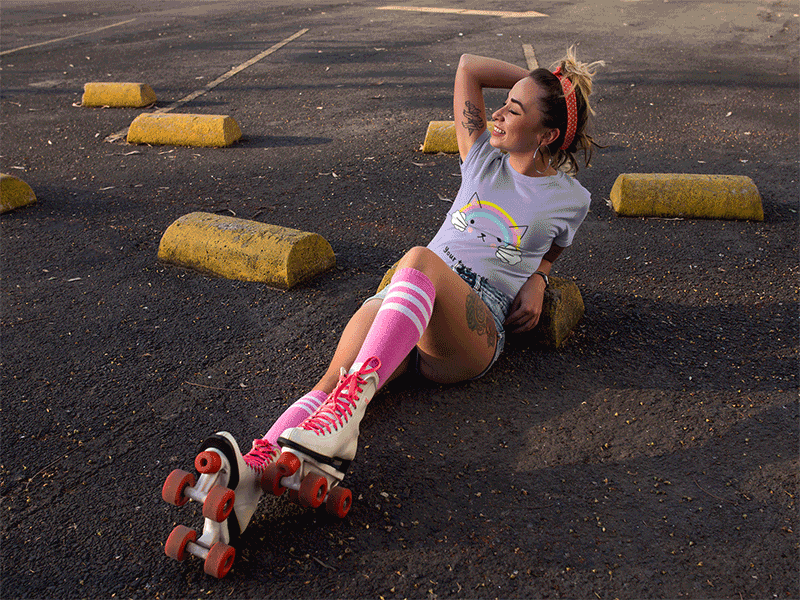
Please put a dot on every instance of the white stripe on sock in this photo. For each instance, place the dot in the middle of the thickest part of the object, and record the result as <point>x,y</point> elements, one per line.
<point>401,308</point>
<point>308,404</point>
<point>426,315</point>
<point>414,287</point>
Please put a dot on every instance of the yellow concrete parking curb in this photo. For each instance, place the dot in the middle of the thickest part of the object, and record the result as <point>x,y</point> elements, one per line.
<point>686,195</point>
<point>169,129</point>
<point>441,137</point>
<point>14,193</point>
<point>245,250</point>
<point>118,95</point>
<point>561,310</point>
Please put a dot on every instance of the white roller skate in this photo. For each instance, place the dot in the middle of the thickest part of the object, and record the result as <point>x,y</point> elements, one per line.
<point>316,455</point>
<point>229,487</point>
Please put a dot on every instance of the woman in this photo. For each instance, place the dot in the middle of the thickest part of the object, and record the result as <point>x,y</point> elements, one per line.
<point>448,306</point>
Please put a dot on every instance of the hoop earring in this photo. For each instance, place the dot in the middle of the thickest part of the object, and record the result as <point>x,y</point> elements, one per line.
<point>549,162</point>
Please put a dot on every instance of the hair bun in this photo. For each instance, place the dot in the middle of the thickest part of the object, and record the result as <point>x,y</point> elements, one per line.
<point>579,73</point>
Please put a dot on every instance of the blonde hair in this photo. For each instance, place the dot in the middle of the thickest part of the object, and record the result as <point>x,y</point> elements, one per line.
<point>554,108</point>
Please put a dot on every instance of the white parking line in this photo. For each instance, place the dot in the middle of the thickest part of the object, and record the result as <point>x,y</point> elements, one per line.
<point>530,57</point>
<point>506,14</point>
<point>196,94</point>
<point>69,37</point>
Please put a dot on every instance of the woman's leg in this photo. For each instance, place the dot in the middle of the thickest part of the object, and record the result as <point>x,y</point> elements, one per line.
<point>460,340</point>
<point>427,305</point>
<point>350,344</point>
<point>265,449</point>
<point>457,343</point>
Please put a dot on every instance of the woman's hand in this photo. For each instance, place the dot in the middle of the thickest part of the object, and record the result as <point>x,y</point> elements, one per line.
<point>527,306</point>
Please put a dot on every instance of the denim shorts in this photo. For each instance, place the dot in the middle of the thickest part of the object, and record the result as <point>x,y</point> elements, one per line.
<point>496,301</point>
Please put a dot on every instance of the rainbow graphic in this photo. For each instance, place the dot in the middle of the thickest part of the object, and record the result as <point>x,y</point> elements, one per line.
<point>510,231</point>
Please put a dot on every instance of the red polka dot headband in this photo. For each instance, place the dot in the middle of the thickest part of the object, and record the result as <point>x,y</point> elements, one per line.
<point>572,108</point>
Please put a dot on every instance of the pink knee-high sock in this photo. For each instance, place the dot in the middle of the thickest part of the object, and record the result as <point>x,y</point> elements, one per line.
<point>400,322</point>
<point>296,414</point>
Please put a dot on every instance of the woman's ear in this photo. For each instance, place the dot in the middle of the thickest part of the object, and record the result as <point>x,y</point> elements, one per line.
<point>551,136</point>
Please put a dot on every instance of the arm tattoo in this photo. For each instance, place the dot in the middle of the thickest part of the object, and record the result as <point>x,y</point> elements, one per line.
<point>474,117</point>
<point>479,319</point>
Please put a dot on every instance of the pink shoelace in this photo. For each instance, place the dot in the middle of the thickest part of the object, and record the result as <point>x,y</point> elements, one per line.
<point>338,408</point>
<point>261,455</point>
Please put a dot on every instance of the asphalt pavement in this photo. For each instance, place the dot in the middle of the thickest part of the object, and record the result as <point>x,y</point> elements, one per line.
<point>656,455</point>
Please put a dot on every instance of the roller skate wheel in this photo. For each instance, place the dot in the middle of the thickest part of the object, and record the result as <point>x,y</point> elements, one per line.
<point>208,462</point>
<point>174,486</point>
<point>294,496</point>
<point>271,480</point>
<point>176,542</point>
<point>219,560</point>
<point>288,463</point>
<point>312,490</point>
<point>218,503</point>
<point>338,502</point>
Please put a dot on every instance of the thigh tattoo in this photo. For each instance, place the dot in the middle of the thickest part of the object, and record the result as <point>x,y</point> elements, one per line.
<point>479,318</point>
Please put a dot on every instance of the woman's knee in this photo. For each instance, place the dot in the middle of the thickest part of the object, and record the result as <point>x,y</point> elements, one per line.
<point>422,259</point>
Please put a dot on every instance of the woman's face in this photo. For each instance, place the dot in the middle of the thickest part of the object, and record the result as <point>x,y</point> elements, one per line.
<point>518,123</point>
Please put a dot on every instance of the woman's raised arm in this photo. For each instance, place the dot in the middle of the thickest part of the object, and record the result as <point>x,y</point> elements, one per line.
<point>469,109</point>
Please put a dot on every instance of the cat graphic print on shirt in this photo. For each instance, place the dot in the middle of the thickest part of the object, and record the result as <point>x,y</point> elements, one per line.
<point>492,226</point>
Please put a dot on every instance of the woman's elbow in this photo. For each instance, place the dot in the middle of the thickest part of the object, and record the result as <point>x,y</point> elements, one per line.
<point>466,61</point>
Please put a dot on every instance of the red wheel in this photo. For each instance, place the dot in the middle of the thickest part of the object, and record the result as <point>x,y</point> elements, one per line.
<point>312,490</point>
<point>288,463</point>
<point>294,496</point>
<point>208,462</point>
<point>177,540</point>
<point>271,480</point>
<point>219,560</point>
<point>338,502</point>
<point>174,486</point>
<point>218,503</point>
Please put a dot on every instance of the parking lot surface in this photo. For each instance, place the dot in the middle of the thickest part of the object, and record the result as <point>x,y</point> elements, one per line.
<point>655,455</point>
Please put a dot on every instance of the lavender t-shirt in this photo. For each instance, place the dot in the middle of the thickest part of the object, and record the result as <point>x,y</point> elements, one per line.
<point>502,222</point>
